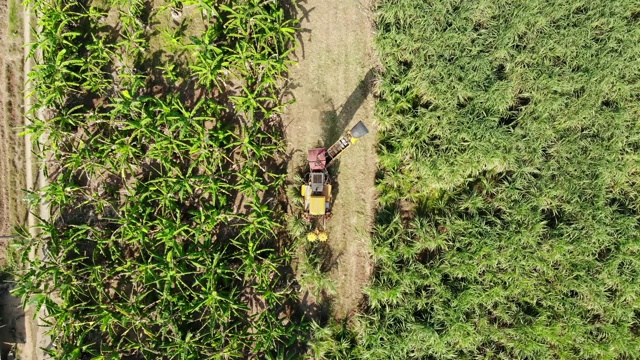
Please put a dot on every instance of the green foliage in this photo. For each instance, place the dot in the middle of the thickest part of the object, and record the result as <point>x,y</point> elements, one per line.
<point>314,275</point>
<point>509,220</point>
<point>163,240</point>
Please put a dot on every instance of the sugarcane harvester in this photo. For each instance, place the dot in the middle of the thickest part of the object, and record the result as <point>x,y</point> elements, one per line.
<point>317,190</point>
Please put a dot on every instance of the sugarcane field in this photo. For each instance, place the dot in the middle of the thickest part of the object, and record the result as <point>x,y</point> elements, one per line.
<point>319,179</point>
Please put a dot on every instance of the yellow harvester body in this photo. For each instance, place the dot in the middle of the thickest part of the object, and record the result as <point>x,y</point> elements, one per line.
<point>319,204</point>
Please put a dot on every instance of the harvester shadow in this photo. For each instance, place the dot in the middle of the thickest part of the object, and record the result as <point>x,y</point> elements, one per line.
<point>335,123</point>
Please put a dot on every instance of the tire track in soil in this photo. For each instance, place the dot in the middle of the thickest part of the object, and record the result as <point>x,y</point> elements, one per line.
<point>5,183</point>
<point>332,88</point>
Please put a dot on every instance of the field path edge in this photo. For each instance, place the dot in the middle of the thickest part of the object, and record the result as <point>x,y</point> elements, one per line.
<point>37,339</point>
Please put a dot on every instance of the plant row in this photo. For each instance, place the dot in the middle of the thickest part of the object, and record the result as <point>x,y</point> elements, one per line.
<point>163,155</point>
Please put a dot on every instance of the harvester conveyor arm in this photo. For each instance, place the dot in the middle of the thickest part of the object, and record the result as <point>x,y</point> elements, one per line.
<point>352,136</point>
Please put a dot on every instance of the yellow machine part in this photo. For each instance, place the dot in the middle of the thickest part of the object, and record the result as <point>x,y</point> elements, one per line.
<point>316,205</point>
<point>303,190</point>
<point>317,235</point>
<point>354,140</point>
<point>327,192</point>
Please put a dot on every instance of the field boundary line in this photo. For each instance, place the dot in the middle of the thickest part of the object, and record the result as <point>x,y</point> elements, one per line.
<point>34,328</point>
<point>27,104</point>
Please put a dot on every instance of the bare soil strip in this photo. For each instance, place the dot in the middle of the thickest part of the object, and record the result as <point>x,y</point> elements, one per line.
<point>332,87</point>
<point>12,181</point>
<point>5,221</point>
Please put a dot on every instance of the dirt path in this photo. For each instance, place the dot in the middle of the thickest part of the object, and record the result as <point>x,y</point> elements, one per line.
<point>332,88</point>
<point>12,177</point>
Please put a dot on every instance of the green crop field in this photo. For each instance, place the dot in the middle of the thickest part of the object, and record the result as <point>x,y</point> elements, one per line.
<point>164,155</point>
<point>510,150</point>
<point>507,226</point>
